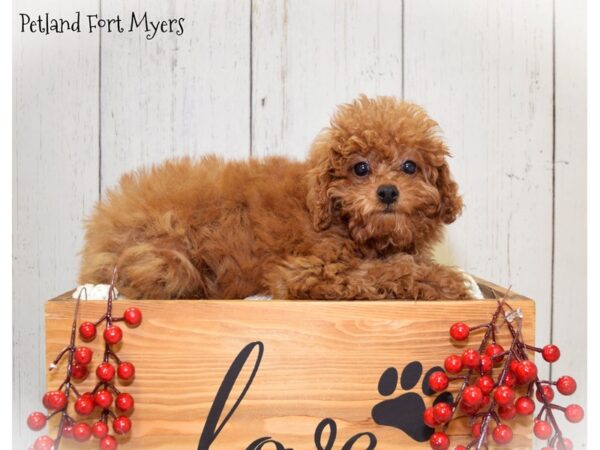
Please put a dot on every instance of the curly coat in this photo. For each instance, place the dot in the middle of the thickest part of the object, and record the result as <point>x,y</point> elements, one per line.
<point>296,230</point>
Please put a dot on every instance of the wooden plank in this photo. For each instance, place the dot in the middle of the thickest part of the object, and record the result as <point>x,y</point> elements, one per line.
<point>321,359</point>
<point>570,246</point>
<point>309,56</point>
<point>55,182</point>
<point>484,71</point>
<point>175,95</point>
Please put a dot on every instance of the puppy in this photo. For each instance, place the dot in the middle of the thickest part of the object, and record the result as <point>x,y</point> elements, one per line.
<point>356,220</point>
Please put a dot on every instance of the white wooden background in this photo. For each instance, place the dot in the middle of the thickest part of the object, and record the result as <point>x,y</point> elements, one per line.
<point>505,79</point>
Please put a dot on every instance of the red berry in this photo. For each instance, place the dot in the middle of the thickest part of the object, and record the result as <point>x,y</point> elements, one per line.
<point>82,432</point>
<point>486,401</point>
<point>442,412</point>
<point>438,381</point>
<point>453,364</point>
<point>526,372</point>
<point>486,384</point>
<point>46,400</point>
<point>43,443</point>
<point>568,444</point>
<point>486,363</point>
<point>79,372</point>
<point>476,429</point>
<point>504,395</point>
<point>542,429</point>
<point>471,359</point>
<point>122,425</point>
<point>550,353</point>
<point>429,419</point>
<point>494,351</point>
<point>67,432</point>
<point>472,397</point>
<point>469,410</point>
<point>513,365</point>
<point>510,380</point>
<point>99,430</point>
<point>502,434</point>
<point>525,406</point>
<point>548,393</point>
<point>36,421</point>
<point>459,331</point>
<point>439,441</point>
<point>113,334</point>
<point>460,447</point>
<point>507,412</point>
<point>103,399</point>
<point>55,400</point>
<point>132,316</point>
<point>566,385</point>
<point>87,331</point>
<point>84,405</point>
<point>574,413</point>
<point>126,371</point>
<point>83,355</point>
<point>105,372</point>
<point>124,402</point>
<point>108,442</point>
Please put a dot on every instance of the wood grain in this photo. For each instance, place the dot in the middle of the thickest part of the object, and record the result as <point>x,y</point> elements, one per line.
<point>569,317</point>
<point>321,359</point>
<point>310,56</point>
<point>484,71</point>
<point>175,95</point>
<point>55,182</point>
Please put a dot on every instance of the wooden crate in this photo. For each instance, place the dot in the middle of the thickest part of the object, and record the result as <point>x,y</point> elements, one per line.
<point>320,360</point>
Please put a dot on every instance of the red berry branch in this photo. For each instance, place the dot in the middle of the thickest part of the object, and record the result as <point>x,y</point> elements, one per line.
<point>489,377</point>
<point>103,394</point>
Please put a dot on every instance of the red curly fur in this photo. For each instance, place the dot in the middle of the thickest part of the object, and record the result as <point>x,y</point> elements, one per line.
<point>313,229</point>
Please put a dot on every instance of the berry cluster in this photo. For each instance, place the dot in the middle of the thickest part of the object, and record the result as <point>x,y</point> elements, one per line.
<point>104,394</point>
<point>490,378</point>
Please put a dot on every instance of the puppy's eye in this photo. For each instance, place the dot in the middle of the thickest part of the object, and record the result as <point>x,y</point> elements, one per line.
<point>361,169</point>
<point>409,167</point>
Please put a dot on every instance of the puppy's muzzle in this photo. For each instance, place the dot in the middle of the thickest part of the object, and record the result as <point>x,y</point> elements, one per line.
<point>387,194</point>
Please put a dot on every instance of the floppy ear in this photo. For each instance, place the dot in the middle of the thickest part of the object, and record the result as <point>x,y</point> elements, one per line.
<point>451,202</point>
<point>318,178</point>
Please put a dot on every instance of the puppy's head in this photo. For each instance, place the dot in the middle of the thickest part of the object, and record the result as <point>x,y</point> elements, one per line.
<point>380,169</point>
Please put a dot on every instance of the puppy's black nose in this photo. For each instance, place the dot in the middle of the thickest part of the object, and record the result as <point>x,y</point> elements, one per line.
<point>387,193</point>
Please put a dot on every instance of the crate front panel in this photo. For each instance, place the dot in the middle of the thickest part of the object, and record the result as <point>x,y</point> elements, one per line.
<point>320,360</point>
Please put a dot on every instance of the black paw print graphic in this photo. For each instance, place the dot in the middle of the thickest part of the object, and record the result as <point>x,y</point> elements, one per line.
<point>405,412</point>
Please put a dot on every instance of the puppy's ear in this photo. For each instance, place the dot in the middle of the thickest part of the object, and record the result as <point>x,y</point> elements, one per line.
<point>318,178</point>
<point>451,202</point>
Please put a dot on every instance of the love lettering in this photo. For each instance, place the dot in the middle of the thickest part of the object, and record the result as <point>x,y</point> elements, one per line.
<point>214,424</point>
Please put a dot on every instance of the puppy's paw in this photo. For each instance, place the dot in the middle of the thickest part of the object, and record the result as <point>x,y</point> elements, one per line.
<point>259,297</point>
<point>449,283</point>
<point>472,286</point>
<point>94,292</point>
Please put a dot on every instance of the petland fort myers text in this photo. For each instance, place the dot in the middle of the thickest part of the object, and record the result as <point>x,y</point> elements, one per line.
<point>45,24</point>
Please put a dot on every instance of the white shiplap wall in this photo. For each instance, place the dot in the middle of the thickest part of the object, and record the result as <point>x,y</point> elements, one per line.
<point>505,79</point>
<point>309,56</point>
<point>55,182</point>
<point>569,309</point>
<point>175,95</point>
